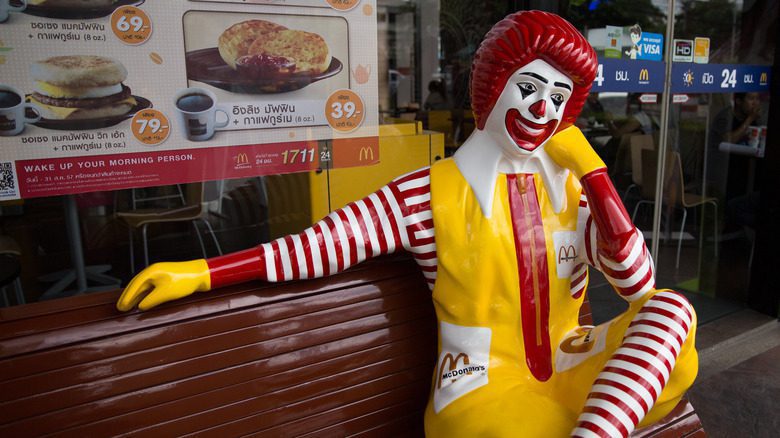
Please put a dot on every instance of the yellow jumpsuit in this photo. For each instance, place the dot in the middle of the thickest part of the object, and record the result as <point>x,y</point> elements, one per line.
<point>495,375</point>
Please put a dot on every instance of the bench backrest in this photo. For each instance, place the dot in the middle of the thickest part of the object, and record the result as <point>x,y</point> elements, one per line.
<point>349,354</point>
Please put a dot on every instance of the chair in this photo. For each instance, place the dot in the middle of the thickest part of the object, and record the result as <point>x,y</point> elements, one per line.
<point>441,121</point>
<point>675,194</point>
<point>10,270</point>
<point>136,198</point>
<point>465,123</point>
<point>195,210</point>
<point>637,144</point>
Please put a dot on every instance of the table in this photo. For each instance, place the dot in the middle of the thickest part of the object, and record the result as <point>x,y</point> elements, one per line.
<point>80,276</point>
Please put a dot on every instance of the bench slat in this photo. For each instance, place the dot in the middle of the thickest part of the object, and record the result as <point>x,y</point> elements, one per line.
<point>264,375</point>
<point>205,337</point>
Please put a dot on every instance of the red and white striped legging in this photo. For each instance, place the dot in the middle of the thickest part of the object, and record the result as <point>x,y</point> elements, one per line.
<point>633,378</point>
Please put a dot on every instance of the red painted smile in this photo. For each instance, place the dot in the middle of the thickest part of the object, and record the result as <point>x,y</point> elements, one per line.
<point>526,134</point>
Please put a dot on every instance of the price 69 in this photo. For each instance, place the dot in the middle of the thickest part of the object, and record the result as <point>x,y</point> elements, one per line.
<point>135,23</point>
<point>131,25</point>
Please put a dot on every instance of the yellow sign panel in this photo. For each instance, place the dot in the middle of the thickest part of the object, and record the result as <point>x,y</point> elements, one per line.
<point>701,50</point>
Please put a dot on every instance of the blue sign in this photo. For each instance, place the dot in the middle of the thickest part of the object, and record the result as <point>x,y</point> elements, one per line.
<point>720,78</point>
<point>629,76</point>
<point>624,75</point>
<point>651,47</point>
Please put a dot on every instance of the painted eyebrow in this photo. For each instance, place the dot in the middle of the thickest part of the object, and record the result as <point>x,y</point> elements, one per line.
<point>561,84</point>
<point>534,75</point>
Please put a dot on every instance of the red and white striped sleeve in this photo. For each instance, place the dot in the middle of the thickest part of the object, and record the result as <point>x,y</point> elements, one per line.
<point>397,216</point>
<point>414,192</point>
<point>629,269</point>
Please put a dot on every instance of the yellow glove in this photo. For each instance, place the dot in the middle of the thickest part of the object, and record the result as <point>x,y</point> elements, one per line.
<point>570,149</point>
<point>165,282</point>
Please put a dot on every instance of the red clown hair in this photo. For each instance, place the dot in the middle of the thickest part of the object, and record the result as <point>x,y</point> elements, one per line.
<point>521,38</point>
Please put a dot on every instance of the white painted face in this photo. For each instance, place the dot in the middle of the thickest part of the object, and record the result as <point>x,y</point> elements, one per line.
<point>530,108</point>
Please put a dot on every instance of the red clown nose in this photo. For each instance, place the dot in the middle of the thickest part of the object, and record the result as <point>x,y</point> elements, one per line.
<point>538,109</point>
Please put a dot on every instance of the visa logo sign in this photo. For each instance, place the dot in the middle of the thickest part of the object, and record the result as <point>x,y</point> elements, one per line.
<point>651,47</point>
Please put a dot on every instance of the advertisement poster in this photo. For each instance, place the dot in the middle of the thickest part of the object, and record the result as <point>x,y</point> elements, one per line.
<point>701,50</point>
<point>651,47</point>
<point>645,45</point>
<point>613,46</point>
<point>683,51</point>
<point>112,94</point>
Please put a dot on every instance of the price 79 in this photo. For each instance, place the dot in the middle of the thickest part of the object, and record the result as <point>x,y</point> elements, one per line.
<point>154,125</point>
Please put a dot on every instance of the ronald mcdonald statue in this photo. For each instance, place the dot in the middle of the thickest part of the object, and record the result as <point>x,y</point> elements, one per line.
<point>504,233</point>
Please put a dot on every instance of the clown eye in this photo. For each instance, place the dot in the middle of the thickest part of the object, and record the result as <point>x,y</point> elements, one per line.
<point>557,100</point>
<point>526,89</point>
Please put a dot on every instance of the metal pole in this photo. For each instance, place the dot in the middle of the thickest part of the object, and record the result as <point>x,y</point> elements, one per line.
<point>664,133</point>
<point>74,239</point>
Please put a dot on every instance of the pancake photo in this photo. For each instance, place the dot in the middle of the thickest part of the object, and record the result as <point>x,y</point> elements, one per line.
<point>236,40</point>
<point>76,9</point>
<point>260,56</point>
<point>82,92</point>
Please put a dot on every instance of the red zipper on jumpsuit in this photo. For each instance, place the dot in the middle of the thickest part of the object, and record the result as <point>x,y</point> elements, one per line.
<point>531,251</point>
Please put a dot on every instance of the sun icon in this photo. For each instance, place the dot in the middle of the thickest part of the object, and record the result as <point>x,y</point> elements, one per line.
<point>688,78</point>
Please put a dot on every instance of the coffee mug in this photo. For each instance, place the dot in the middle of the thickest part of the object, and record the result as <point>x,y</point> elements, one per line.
<point>13,111</point>
<point>5,8</point>
<point>197,109</point>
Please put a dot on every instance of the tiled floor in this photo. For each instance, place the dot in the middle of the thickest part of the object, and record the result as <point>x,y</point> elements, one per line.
<point>743,400</point>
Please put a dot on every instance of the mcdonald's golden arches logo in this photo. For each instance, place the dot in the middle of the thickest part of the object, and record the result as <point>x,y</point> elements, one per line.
<point>366,153</point>
<point>241,158</point>
<point>452,363</point>
<point>241,161</point>
<point>567,253</point>
<point>763,79</point>
<point>644,75</point>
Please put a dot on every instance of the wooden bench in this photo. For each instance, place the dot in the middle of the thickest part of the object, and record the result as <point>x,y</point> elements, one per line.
<point>348,355</point>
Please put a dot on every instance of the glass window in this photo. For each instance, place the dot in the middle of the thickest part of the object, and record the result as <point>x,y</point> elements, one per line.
<point>712,169</point>
<point>715,152</point>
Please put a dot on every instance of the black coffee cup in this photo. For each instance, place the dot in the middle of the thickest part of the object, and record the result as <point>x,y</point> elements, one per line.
<point>197,110</point>
<point>13,111</point>
<point>194,103</point>
<point>6,7</point>
<point>9,99</point>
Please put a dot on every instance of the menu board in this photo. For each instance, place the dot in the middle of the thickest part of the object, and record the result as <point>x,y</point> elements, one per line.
<point>112,94</point>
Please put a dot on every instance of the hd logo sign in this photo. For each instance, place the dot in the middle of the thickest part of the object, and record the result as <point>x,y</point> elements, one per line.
<point>683,51</point>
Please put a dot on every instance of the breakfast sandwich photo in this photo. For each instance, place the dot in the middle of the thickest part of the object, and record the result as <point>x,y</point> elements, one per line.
<point>254,54</point>
<point>82,92</point>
